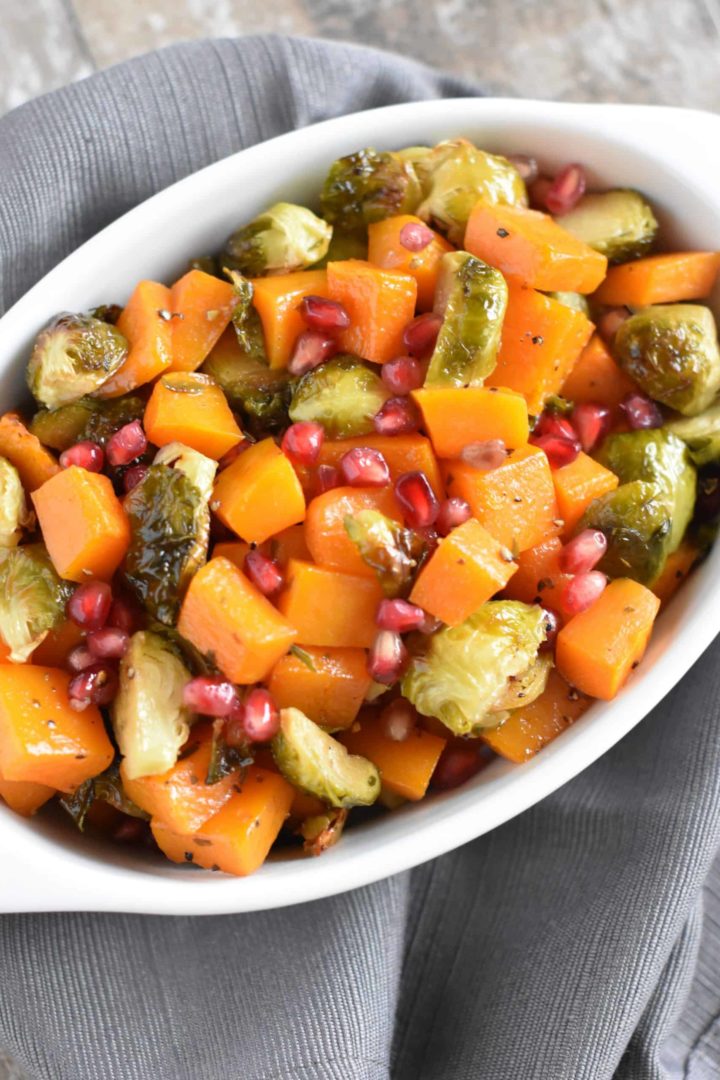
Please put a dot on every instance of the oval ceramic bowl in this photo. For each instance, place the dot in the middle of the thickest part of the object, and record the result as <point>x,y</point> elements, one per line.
<point>671,155</point>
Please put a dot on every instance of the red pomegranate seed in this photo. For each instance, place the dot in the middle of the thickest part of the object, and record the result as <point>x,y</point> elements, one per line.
<point>302,441</point>
<point>325,315</point>
<point>260,716</point>
<point>399,615</point>
<point>420,334</point>
<point>537,192</point>
<point>134,476</point>
<point>488,454</point>
<point>552,628</point>
<point>328,478</point>
<point>609,323</point>
<point>122,615</point>
<point>86,455</point>
<point>95,685</point>
<point>415,237</point>
<point>582,591</point>
<point>583,552</point>
<point>417,498</point>
<point>591,422</point>
<point>550,424</point>
<point>108,643</point>
<point>559,451</point>
<point>458,762</point>
<point>89,605</point>
<point>80,658</point>
<point>453,512</point>
<point>387,658</point>
<point>310,349</point>
<point>210,695</point>
<point>128,443</point>
<point>403,374</point>
<point>641,412</point>
<point>429,624</point>
<point>566,190</point>
<point>364,467</point>
<point>526,166</point>
<point>264,573</point>
<point>398,416</point>
<point>398,720</point>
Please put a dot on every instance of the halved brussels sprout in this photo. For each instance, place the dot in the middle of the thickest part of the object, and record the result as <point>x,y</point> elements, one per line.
<point>74,356</point>
<point>14,513</point>
<point>393,551</point>
<point>574,300</point>
<point>148,716</point>
<point>672,351</point>
<point>619,224</point>
<point>282,239</point>
<point>315,762</point>
<point>322,831</point>
<point>345,244</point>
<point>169,528</point>
<point>526,687</point>
<point>32,599</point>
<point>87,418</point>
<point>455,175</point>
<point>343,395</point>
<point>701,434</point>
<point>462,673</point>
<point>368,186</point>
<point>472,296</point>
<point>107,312</point>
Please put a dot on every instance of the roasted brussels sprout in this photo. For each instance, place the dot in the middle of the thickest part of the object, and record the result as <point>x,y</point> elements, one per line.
<point>393,551</point>
<point>455,175</point>
<point>574,300</point>
<point>87,418</point>
<point>315,762</point>
<point>472,296</point>
<point>619,224</point>
<point>343,395</point>
<point>169,528</point>
<point>32,599</point>
<point>284,238</point>
<point>526,687</point>
<point>14,513</point>
<point>368,186</point>
<point>345,245</point>
<point>701,434</point>
<point>671,350</point>
<point>148,716</point>
<point>322,831</point>
<point>461,673</point>
<point>109,313</point>
<point>74,356</point>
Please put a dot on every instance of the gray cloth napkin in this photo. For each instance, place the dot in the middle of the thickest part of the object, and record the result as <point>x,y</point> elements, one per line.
<point>559,947</point>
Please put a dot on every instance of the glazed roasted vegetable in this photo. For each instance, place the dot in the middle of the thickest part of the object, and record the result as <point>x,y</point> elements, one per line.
<point>343,395</point>
<point>671,351</point>
<point>472,297</point>
<point>87,418</point>
<point>14,512</point>
<point>619,224</point>
<point>574,300</point>
<point>315,762</point>
<point>282,239</point>
<point>32,599</point>
<point>462,674</point>
<point>74,356</point>
<point>701,434</point>
<point>368,186</point>
<point>393,551</point>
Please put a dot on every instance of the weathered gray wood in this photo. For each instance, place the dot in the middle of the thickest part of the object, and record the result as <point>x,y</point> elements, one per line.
<point>41,46</point>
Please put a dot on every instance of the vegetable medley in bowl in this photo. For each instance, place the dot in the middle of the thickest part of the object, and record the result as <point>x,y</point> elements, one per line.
<point>384,488</point>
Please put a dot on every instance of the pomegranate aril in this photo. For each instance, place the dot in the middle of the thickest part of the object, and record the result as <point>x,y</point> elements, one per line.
<point>398,720</point>
<point>403,374</point>
<point>641,412</point>
<point>399,615</point>
<point>86,455</point>
<point>559,451</point>
<point>80,658</point>
<point>95,685</point>
<point>128,443</point>
<point>311,348</point>
<point>582,591</point>
<point>122,615</point>
<point>415,237</point>
<point>210,695</point>
<point>458,762</point>
<point>537,192</point>
<point>566,190</point>
<point>260,716</point>
<point>591,422</point>
<point>417,499</point>
<point>609,323</point>
<point>89,606</point>
<point>526,166</point>
<point>398,416</point>
<point>302,442</point>
<point>364,467</point>
<point>134,476</point>
<point>488,454</point>
<point>551,621</point>
<point>550,424</point>
<point>453,512</point>
<point>429,624</point>
<point>322,314</point>
<point>327,478</point>
<point>420,334</point>
<point>387,658</point>
<point>110,643</point>
<point>583,552</point>
<point>264,573</point>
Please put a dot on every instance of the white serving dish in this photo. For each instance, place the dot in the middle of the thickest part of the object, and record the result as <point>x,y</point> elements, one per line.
<point>670,154</point>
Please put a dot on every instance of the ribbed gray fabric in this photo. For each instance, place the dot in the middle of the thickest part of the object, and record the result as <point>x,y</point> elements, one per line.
<point>559,947</point>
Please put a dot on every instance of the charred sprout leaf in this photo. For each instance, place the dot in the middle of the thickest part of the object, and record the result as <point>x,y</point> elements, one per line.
<point>245,319</point>
<point>304,657</point>
<point>14,513</point>
<point>462,673</point>
<point>574,300</point>
<point>619,224</point>
<point>343,395</point>
<point>323,831</point>
<point>393,551</point>
<point>472,297</point>
<point>32,599</point>
<point>671,350</point>
<point>78,802</point>
<point>74,356</point>
<point>315,762</point>
<point>106,417</point>
<point>284,238</point>
<point>149,719</point>
<point>526,687</point>
<point>208,264</point>
<point>108,788</point>
<point>225,759</point>
<point>455,175</point>
<point>368,186</point>
<point>109,313</point>
<point>701,434</point>
<point>87,418</point>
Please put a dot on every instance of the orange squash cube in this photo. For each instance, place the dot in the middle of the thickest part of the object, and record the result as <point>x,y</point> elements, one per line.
<point>33,461</point>
<point>405,767</point>
<point>677,567</point>
<point>277,300</point>
<point>454,417</point>
<point>289,544</point>
<point>259,494</point>
<point>330,692</point>
<point>327,538</point>
<point>380,304</point>
<point>53,650</point>
<point>202,306</point>
<point>146,323</point>
<point>531,727</point>
<point>577,484</point>
<point>595,377</point>
<point>661,279</point>
<point>23,797</point>
<point>386,251</point>
<point>403,453</point>
<point>330,608</point>
<point>190,408</point>
<point>539,579</point>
